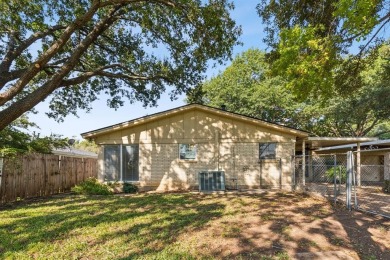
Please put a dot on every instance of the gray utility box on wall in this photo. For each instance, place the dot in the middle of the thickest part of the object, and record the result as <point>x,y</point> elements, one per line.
<point>211,180</point>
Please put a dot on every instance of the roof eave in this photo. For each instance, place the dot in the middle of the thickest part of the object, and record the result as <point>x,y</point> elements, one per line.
<point>143,120</point>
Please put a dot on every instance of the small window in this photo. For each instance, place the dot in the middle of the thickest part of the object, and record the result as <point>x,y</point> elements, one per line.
<point>187,151</point>
<point>267,150</point>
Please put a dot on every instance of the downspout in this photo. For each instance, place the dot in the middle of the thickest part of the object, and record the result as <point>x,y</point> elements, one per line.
<point>217,148</point>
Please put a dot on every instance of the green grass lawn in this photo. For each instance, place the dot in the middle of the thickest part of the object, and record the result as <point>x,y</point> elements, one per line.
<point>163,226</point>
<point>104,226</point>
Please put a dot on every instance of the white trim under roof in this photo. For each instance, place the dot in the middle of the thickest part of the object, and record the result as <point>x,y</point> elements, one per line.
<point>354,145</point>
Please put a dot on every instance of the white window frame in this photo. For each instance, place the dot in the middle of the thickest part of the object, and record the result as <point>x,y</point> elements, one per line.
<point>194,147</point>
<point>120,162</point>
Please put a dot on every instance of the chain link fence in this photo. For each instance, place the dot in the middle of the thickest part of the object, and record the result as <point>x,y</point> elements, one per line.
<point>328,176</point>
<point>323,174</point>
<point>369,184</point>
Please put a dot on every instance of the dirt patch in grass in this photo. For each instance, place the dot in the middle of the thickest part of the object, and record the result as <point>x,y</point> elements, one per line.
<point>271,225</point>
<point>278,225</point>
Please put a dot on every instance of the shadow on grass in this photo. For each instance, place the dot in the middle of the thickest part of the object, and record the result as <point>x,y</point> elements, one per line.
<point>160,219</point>
<point>321,228</point>
<point>252,226</point>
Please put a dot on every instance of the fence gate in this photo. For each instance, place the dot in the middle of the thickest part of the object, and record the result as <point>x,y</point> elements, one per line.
<point>365,186</point>
<point>322,174</point>
<point>339,178</point>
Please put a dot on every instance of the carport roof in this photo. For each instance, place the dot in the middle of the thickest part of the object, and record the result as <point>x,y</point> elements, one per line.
<point>314,143</point>
<point>372,145</point>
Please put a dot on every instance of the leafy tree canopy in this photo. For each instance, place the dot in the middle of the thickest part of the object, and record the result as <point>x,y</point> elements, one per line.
<point>86,145</point>
<point>13,139</point>
<point>363,110</point>
<point>248,87</point>
<point>314,42</point>
<point>71,50</point>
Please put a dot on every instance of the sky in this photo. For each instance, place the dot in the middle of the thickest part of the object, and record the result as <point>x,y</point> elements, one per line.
<point>101,115</point>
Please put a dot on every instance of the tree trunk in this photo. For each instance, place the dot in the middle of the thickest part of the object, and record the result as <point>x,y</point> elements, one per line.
<point>25,104</point>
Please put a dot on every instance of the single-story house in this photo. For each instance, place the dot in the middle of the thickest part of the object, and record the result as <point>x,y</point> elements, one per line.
<point>197,146</point>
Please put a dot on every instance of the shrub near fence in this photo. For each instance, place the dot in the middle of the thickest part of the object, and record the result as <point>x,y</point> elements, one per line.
<point>37,175</point>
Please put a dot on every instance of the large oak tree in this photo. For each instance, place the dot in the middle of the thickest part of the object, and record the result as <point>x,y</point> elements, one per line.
<point>322,46</point>
<point>248,87</point>
<point>71,50</point>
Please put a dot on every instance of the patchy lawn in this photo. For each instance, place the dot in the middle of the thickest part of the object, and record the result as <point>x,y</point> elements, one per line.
<point>188,226</point>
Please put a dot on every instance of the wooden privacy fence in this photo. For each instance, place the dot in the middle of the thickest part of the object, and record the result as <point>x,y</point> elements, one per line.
<point>37,175</point>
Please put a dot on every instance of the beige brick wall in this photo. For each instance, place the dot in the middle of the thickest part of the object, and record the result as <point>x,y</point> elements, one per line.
<point>222,144</point>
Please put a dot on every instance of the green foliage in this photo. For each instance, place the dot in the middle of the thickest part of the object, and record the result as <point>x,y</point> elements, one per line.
<point>382,131</point>
<point>386,186</point>
<point>14,139</point>
<point>365,108</point>
<point>71,51</point>
<point>314,42</point>
<point>92,186</point>
<point>248,87</point>
<point>340,171</point>
<point>86,145</point>
<point>130,188</point>
<point>304,74</point>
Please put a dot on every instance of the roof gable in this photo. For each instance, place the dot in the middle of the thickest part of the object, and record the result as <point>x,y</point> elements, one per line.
<point>168,113</point>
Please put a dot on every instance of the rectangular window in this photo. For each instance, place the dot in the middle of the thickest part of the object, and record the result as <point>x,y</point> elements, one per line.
<point>187,151</point>
<point>267,151</point>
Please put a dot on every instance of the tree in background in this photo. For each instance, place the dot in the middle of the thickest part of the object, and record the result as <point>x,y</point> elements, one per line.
<point>14,139</point>
<point>70,51</point>
<point>314,43</point>
<point>365,110</point>
<point>248,87</point>
<point>86,145</point>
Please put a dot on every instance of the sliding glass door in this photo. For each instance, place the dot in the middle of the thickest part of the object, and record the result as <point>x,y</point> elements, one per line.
<point>121,163</point>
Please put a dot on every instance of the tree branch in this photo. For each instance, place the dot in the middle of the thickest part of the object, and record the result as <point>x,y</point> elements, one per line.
<point>372,38</point>
<point>39,64</point>
<point>17,108</point>
<point>115,2</point>
<point>384,18</point>
<point>9,76</point>
<point>368,129</point>
<point>13,52</point>
<point>101,72</point>
<point>381,133</point>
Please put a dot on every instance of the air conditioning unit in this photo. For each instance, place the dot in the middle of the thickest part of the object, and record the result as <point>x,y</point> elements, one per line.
<point>211,180</point>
